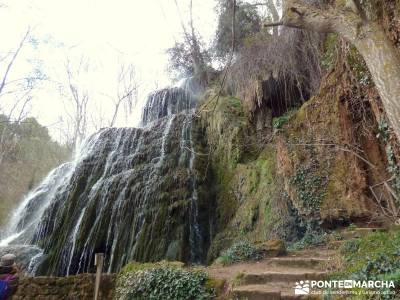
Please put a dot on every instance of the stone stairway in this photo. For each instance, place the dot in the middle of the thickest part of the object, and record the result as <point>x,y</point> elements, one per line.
<point>280,275</point>
<point>275,278</point>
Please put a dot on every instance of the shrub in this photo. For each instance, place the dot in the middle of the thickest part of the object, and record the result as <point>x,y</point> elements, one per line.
<point>240,251</point>
<point>162,283</point>
<point>312,237</point>
<point>350,246</point>
<point>309,186</point>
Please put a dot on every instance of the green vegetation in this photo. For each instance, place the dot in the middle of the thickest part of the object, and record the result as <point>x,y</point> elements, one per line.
<point>383,130</point>
<point>312,237</point>
<point>393,168</point>
<point>309,187</point>
<point>373,257</point>
<point>330,54</point>
<point>162,281</point>
<point>240,251</point>
<point>358,67</point>
<point>136,266</point>
<point>278,122</point>
<point>351,227</point>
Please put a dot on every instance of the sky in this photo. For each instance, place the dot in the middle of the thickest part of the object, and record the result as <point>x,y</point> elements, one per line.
<point>104,33</point>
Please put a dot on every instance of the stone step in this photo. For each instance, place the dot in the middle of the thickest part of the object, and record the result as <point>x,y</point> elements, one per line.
<point>275,291</point>
<point>301,262</point>
<point>255,292</point>
<point>359,232</point>
<point>290,275</point>
<point>322,253</point>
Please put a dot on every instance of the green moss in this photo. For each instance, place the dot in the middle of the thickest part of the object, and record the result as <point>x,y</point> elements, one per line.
<point>278,122</point>
<point>238,279</point>
<point>252,187</point>
<point>330,50</point>
<point>358,66</point>
<point>215,284</point>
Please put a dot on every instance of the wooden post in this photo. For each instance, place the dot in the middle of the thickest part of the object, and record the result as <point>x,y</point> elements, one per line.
<point>98,262</point>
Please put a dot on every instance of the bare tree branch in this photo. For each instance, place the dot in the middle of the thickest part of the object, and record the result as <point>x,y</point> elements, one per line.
<point>273,24</point>
<point>127,91</point>
<point>13,58</point>
<point>79,99</point>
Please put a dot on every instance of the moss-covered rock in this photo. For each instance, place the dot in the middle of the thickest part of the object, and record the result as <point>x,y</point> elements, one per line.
<point>324,176</point>
<point>272,248</point>
<point>135,193</point>
<point>309,174</point>
<point>248,190</point>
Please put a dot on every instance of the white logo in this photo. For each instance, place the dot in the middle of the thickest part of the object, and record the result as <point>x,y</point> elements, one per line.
<point>302,288</point>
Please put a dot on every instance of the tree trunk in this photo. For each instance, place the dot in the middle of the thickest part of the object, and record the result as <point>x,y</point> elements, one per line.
<point>383,61</point>
<point>380,55</point>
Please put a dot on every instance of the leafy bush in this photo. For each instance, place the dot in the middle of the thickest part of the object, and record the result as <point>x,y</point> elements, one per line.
<point>351,227</point>
<point>240,251</point>
<point>144,282</point>
<point>309,240</point>
<point>350,246</point>
<point>312,237</point>
<point>309,186</point>
<point>373,257</point>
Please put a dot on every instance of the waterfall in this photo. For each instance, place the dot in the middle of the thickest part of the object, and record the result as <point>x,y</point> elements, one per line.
<point>73,241</point>
<point>130,193</point>
<point>187,145</point>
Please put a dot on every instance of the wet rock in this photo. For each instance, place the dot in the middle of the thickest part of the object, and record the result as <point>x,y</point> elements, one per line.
<point>130,193</point>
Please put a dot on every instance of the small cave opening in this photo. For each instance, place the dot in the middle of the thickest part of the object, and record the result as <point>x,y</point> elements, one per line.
<point>282,94</point>
<point>275,97</point>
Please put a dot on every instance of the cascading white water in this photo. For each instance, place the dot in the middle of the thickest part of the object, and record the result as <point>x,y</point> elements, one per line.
<point>113,195</point>
<point>187,145</point>
<point>20,223</point>
<point>25,221</point>
<point>73,239</point>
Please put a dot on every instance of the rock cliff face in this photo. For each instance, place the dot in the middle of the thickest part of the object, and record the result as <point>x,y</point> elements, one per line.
<point>311,168</point>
